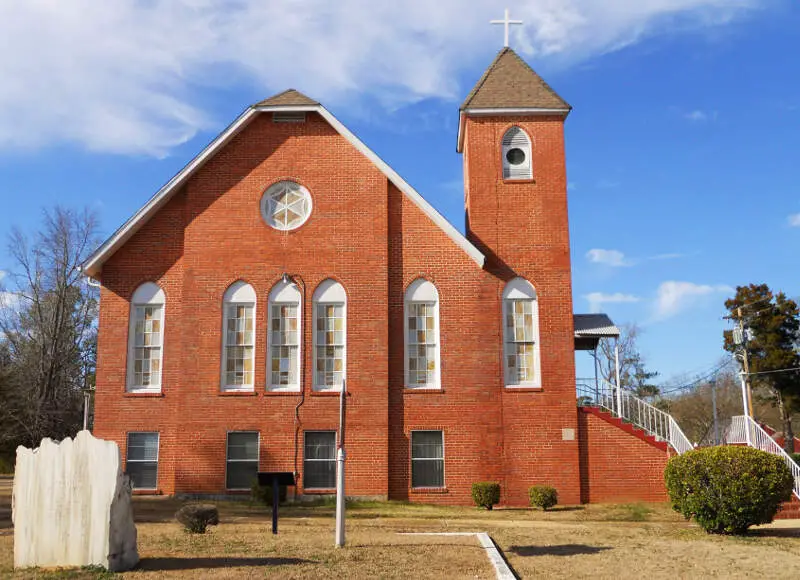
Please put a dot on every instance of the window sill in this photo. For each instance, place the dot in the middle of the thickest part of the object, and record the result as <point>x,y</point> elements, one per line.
<point>269,393</point>
<point>428,490</point>
<point>422,390</point>
<point>147,492</point>
<point>523,389</point>
<point>326,393</point>
<point>143,394</point>
<point>519,180</point>
<point>237,394</point>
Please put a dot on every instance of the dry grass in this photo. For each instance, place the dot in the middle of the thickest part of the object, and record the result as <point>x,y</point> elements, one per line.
<point>634,541</point>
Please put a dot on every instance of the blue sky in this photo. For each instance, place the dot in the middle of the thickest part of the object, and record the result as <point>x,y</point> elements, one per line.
<point>682,148</point>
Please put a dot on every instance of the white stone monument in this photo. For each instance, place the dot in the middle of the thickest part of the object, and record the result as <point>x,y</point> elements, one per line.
<point>72,506</point>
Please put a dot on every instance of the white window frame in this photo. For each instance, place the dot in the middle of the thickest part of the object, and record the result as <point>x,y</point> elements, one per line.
<point>508,143</point>
<point>285,292</point>
<point>411,456</point>
<point>158,454</point>
<point>335,446</point>
<point>227,460</point>
<point>329,293</point>
<point>422,291</point>
<point>239,293</point>
<point>266,204</point>
<point>515,290</point>
<point>147,294</point>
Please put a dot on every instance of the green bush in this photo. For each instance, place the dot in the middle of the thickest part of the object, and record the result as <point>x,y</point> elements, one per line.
<point>728,489</point>
<point>6,466</point>
<point>543,496</point>
<point>486,494</point>
<point>263,494</point>
<point>796,457</point>
<point>197,517</point>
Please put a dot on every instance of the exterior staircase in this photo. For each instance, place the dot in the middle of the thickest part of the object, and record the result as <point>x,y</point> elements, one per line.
<point>630,410</point>
<point>638,432</point>
<point>744,430</point>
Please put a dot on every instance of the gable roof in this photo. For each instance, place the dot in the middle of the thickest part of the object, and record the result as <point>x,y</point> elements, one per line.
<point>290,100</point>
<point>510,82</point>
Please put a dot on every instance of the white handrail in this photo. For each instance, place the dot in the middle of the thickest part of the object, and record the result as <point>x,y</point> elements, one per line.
<point>745,430</point>
<point>654,421</point>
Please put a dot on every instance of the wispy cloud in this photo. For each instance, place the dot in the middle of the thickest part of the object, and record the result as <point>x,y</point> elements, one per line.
<point>794,220</point>
<point>674,297</point>
<point>598,299</point>
<point>123,76</point>
<point>669,256</point>
<point>698,116</point>
<point>613,258</point>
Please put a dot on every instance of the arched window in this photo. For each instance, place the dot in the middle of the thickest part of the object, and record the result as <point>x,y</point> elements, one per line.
<point>521,331</point>
<point>238,337</point>
<point>283,373</point>
<point>146,339</point>
<point>422,335</point>
<point>517,155</point>
<point>330,336</point>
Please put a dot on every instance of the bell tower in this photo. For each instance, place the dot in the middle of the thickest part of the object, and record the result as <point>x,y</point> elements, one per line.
<point>511,134</point>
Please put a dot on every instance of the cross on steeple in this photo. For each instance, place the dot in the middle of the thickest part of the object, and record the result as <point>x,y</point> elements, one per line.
<point>506,22</point>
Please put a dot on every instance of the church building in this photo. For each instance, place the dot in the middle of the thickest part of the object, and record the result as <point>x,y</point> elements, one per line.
<point>287,260</point>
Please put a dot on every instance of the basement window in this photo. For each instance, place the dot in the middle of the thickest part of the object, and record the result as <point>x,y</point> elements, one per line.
<point>242,460</point>
<point>427,459</point>
<point>319,463</point>
<point>142,460</point>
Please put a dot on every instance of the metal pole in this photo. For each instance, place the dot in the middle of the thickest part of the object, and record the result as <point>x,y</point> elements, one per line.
<point>744,405</point>
<point>714,405</point>
<point>748,410</point>
<point>616,371</point>
<point>85,410</point>
<point>275,501</point>
<point>340,458</point>
<point>596,382</point>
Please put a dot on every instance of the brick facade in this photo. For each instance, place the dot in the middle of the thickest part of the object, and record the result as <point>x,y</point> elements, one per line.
<point>371,237</point>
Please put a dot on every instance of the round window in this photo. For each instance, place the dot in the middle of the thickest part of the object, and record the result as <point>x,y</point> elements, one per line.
<point>286,205</point>
<point>515,156</point>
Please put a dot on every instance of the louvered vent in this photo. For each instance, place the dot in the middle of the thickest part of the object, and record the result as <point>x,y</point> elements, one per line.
<point>517,155</point>
<point>289,117</point>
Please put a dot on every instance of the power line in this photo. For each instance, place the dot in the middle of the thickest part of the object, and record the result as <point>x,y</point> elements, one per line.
<point>700,379</point>
<point>790,369</point>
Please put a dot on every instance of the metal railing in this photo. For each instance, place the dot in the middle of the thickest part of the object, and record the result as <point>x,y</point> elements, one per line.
<point>624,405</point>
<point>745,430</point>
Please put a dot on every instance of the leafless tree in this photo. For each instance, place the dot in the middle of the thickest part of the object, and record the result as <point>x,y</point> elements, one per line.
<point>48,325</point>
<point>633,373</point>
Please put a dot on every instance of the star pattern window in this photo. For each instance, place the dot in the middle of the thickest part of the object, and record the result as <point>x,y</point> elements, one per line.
<point>286,205</point>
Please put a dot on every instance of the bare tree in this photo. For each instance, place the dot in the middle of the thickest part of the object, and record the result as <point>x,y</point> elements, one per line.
<point>633,372</point>
<point>48,331</point>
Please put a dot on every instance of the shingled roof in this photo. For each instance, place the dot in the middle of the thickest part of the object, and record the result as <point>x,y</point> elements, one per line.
<point>288,98</point>
<point>510,83</point>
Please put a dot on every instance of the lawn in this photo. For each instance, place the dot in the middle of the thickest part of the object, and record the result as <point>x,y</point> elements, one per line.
<point>636,541</point>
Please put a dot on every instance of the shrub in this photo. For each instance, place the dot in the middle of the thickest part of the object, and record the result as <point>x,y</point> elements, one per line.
<point>796,457</point>
<point>197,517</point>
<point>486,494</point>
<point>728,489</point>
<point>263,493</point>
<point>6,466</point>
<point>543,496</point>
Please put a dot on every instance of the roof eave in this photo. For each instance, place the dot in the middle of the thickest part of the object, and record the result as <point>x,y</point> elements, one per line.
<point>500,111</point>
<point>92,266</point>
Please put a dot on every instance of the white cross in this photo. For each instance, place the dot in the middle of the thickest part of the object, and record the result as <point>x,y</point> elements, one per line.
<point>506,22</point>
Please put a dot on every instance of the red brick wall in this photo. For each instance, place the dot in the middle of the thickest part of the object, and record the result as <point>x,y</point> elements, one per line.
<point>616,465</point>
<point>375,241</point>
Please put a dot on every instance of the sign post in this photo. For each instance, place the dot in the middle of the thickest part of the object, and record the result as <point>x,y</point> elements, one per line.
<point>340,458</point>
<point>275,479</point>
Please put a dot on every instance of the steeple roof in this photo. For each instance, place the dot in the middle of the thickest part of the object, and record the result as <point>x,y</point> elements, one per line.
<point>288,98</point>
<point>509,83</point>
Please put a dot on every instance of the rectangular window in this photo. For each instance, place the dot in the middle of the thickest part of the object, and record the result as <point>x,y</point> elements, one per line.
<point>421,344</point>
<point>239,345</point>
<point>242,460</point>
<point>330,345</point>
<point>142,460</point>
<point>147,342</point>
<point>427,459</point>
<point>319,464</point>
<point>520,342</point>
<point>284,345</point>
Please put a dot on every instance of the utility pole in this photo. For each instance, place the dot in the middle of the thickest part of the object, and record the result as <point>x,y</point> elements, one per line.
<point>340,457</point>
<point>714,406</point>
<point>745,366</point>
